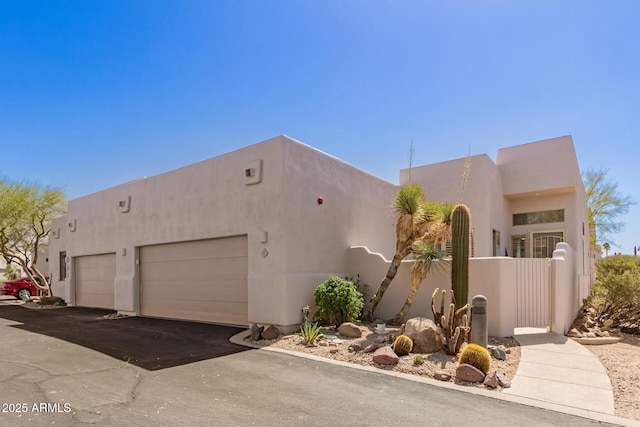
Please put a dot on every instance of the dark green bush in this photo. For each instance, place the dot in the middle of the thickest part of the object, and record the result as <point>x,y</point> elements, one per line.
<point>51,301</point>
<point>338,301</point>
<point>616,293</point>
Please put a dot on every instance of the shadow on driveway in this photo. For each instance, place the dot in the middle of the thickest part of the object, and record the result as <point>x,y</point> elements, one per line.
<point>151,344</point>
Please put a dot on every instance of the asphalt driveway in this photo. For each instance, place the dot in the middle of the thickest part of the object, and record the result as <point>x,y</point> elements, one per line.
<point>148,343</point>
<point>69,367</point>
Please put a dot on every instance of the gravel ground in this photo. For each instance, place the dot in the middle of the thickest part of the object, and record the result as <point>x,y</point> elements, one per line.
<point>622,362</point>
<point>432,362</point>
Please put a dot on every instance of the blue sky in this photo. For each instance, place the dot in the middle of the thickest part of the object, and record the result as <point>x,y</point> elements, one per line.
<point>96,93</point>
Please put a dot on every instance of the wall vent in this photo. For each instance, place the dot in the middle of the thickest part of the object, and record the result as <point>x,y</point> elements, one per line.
<point>253,172</point>
<point>125,205</point>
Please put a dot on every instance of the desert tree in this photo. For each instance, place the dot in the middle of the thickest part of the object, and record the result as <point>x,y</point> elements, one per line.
<point>605,205</point>
<point>26,213</point>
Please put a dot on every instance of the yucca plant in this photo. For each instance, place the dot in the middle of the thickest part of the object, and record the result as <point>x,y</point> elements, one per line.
<point>411,226</point>
<point>427,258</point>
<point>310,332</point>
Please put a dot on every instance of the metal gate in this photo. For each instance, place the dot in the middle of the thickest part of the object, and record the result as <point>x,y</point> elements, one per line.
<point>533,290</point>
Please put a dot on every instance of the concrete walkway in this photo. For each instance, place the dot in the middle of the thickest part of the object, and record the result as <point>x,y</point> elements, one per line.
<point>556,370</point>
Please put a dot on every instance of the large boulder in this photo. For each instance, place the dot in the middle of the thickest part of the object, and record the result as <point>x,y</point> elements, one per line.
<point>422,331</point>
<point>271,333</point>
<point>256,331</point>
<point>349,330</point>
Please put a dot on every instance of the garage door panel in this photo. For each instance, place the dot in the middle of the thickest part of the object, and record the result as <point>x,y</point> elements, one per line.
<point>232,313</point>
<point>204,269</point>
<point>95,276</point>
<point>199,280</point>
<point>199,249</point>
<point>231,290</point>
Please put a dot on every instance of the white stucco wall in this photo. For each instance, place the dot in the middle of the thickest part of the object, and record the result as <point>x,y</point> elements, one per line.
<point>539,166</point>
<point>492,277</point>
<point>306,241</point>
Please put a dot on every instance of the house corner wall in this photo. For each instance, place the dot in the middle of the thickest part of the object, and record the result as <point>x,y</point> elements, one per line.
<point>330,206</point>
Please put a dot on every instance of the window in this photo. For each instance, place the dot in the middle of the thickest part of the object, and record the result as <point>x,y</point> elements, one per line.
<point>63,266</point>
<point>496,243</point>
<point>518,246</point>
<point>545,243</point>
<point>540,217</point>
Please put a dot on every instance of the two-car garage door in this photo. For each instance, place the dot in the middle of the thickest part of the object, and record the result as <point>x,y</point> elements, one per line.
<point>203,280</point>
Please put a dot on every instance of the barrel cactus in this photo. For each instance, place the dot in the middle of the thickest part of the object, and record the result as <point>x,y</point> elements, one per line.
<point>402,345</point>
<point>477,356</point>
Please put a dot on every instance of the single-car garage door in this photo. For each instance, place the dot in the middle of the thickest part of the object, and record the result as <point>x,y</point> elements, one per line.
<point>202,280</point>
<point>95,276</point>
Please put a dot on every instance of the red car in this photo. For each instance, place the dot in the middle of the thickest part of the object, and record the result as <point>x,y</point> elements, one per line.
<point>22,288</point>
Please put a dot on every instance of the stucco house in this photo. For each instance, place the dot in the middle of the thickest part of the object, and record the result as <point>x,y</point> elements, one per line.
<point>246,237</point>
<point>525,203</point>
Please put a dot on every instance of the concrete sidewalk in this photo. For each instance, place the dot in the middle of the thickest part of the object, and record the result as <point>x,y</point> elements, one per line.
<point>556,370</point>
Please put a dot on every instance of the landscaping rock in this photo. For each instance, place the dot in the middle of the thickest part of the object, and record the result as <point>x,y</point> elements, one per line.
<point>422,331</point>
<point>503,381</point>
<point>497,352</point>
<point>256,331</point>
<point>491,380</point>
<point>574,333</point>
<point>584,328</point>
<point>469,373</point>
<point>355,348</point>
<point>370,348</point>
<point>385,356</point>
<point>271,333</point>
<point>381,339</point>
<point>442,376</point>
<point>334,350</point>
<point>349,330</point>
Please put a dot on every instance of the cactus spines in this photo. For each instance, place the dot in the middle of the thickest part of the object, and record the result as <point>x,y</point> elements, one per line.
<point>460,232</point>
<point>453,328</point>
<point>402,345</point>
<point>477,356</point>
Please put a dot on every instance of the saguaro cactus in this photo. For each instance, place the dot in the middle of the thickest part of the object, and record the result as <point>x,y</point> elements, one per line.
<point>460,231</point>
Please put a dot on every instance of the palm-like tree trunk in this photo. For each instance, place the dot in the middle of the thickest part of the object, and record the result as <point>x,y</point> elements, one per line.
<point>416,281</point>
<point>367,311</point>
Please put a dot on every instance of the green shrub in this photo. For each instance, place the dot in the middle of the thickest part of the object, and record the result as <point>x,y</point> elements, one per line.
<point>338,301</point>
<point>52,301</point>
<point>616,293</point>
<point>418,360</point>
